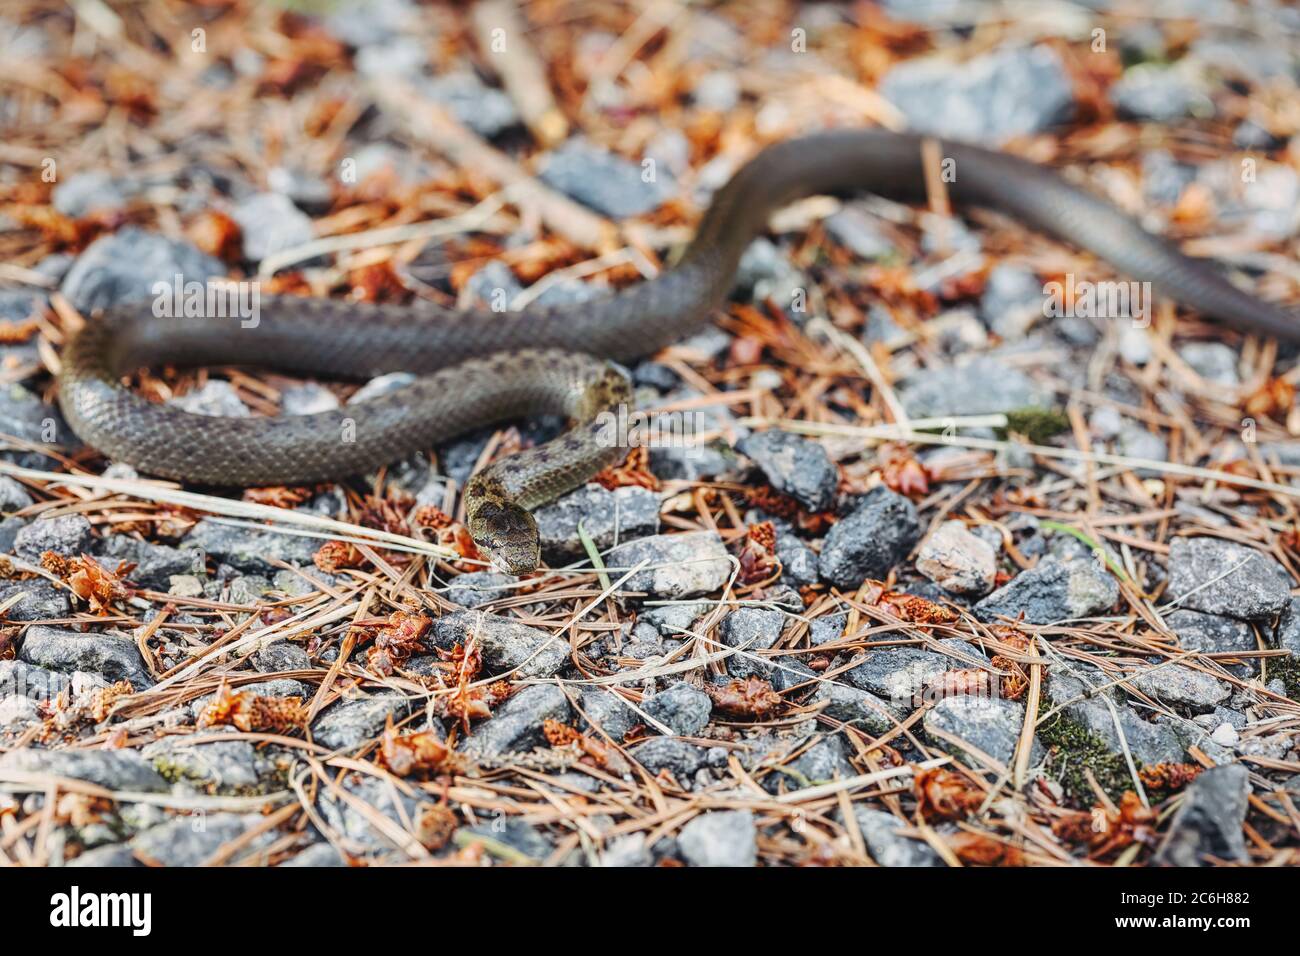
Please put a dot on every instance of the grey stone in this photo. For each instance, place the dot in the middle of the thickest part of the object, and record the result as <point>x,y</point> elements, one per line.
<point>683,708</point>
<point>1053,591</point>
<point>318,855</point>
<point>983,386</point>
<point>822,762</point>
<point>989,724</point>
<point>67,535</point>
<point>671,619</point>
<point>483,109</point>
<point>309,398</point>
<point>112,854</point>
<point>18,711</point>
<point>678,757</point>
<point>678,565</point>
<point>477,588</point>
<point>1257,587</point>
<point>899,674</point>
<point>957,560</point>
<point>720,838</point>
<point>602,180</point>
<point>28,417</point>
<point>798,561</point>
<point>124,266</point>
<point>515,834</point>
<point>13,495</point>
<point>113,658</point>
<point>794,466</point>
<point>92,191</point>
<point>214,397</point>
<point>753,630</point>
<point>281,657</point>
<point>155,564</point>
<point>1009,92</point>
<point>1012,300</point>
<point>828,628</point>
<point>517,724</point>
<point>853,706</point>
<point>790,672</point>
<point>765,273</point>
<point>1176,684</point>
<point>224,766</point>
<point>358,833</point>
<point>248,549</point>
<point>888,847</point>
<point>1209,820</point>
<point>506,644</point>
<point>1150,91</point>
<point>190,840</point>
<point>270,223</point>
<point>608,711</point>
<point>351,723</point>
<point>868,542</point>
<point>608,517</point>
<point>493,286</point>
<point>859,232</point>
<point>627,850</point>
<point>1212,361</point>
<point>1212,634</point>
<point>1287,633</point>
<point>123,770</point>
<point>1148,743</point>
<point>41,600</point>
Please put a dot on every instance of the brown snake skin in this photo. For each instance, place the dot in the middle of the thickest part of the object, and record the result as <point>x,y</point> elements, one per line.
<point>485,367</point>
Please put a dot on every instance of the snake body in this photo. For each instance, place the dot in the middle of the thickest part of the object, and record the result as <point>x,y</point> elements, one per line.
<point>483,367</point>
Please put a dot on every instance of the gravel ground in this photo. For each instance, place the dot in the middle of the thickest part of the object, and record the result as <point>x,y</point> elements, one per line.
<point>1053,623</point>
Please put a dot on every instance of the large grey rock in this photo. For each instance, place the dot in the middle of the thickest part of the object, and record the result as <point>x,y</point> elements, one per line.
<point>68,535</point>
<point>250,549</point>
<point>351,723</point>
<point>679,565</point>
<point>124,266</point>
<point>720,838</point>
<point>1223,577</point>
<point>1009,92</point>
<point>750,630</point>
<point>1176,684</point>
<point>1149,743</point>
<point>359,834</point>
<point>1052,591</point>
<point>868,542</point>
<point>683,708</point>
<point>794,466</point>
<point>608,711</point>
<point>506,644</point>
<point>28,417</point>
<point>35,683</point>
<point>1212,634</point>
<point>853,706</point>
<point>608,517</point>
<point>1209,820</point>
<point>517,724</point>
<point>899,674</point>
<point>984,386</point>
<point>223,766</point>
<point>41,600</point>
<point>124,770</point>
<point>154,563</point>
<point>112,658</point>
<point>989,724</point>
<point>678,757</point>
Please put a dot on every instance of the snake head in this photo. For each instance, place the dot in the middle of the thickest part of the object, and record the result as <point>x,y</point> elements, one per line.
<point>508,535</point>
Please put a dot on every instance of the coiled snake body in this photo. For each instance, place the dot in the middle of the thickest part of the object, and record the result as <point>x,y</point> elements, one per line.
<point>485,367</point>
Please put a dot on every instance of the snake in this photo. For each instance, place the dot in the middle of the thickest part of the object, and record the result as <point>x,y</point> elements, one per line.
<point>480,367</point>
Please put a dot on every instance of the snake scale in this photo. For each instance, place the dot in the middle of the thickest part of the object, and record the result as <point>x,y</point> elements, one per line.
<point>483,367</point>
